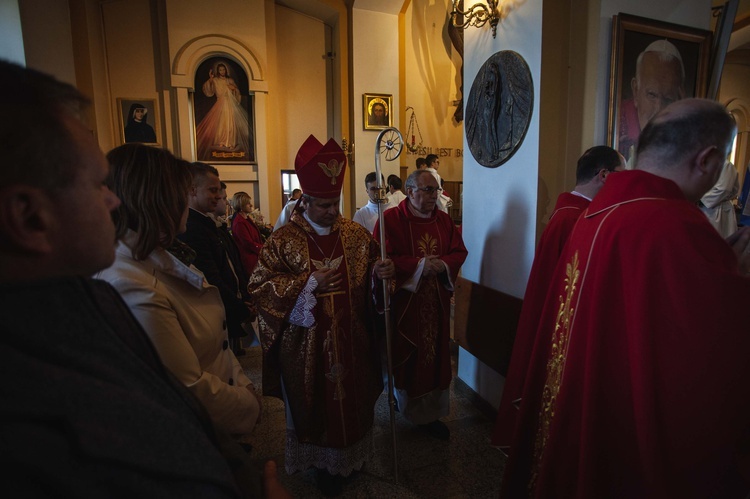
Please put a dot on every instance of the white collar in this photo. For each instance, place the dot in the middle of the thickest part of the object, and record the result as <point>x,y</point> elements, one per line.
<point>372,205</point>
<point>319,229</point>
<point>164,261</point>
<point>576,193</point>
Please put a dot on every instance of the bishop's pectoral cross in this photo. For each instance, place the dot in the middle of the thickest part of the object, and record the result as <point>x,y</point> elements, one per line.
<point>327,263</point>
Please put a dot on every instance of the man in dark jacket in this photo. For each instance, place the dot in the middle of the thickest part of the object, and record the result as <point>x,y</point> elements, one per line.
<point>211,253</point>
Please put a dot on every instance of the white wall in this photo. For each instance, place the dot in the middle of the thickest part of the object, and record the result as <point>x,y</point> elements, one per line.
<point>131,60</point>
<point>501,202</point>
<point>301,83</point>
<point>11,39</point>
<point>375,56</point>
<point>50,29</point>
<point>431,75</point>
<point>239,19</point>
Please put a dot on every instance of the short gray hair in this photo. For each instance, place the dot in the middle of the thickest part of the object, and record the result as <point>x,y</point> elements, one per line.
<point>411,180</point>
<point>671,137</point>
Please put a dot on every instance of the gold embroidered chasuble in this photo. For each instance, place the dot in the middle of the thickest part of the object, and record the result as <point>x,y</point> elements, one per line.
<point>331,370</point>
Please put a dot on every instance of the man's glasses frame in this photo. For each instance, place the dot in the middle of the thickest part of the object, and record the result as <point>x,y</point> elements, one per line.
<point>429,189</point>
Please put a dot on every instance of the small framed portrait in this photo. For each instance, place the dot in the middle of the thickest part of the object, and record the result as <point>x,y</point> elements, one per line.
<point>376,111</point>
<point>654,63</point>
<point>139,120</point>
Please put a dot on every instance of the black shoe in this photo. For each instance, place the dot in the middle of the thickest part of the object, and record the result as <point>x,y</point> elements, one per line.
<point>328,485</point>
<point>436,429</point>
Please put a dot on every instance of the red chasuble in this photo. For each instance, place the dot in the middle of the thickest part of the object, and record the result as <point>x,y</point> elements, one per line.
<point>567,210</point>
<point>331,371</point>
<point>639,381</point>
<point>421,354</point>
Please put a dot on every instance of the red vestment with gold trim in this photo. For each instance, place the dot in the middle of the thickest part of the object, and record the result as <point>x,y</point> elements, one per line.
<point>567,210</point>
<point>639,384</point>
<point>421,354</point>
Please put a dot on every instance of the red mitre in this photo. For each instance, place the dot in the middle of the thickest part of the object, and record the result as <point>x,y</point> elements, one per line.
<point>320,168</point>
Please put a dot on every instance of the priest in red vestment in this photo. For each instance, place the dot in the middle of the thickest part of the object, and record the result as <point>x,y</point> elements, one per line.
<point>428,252</point>
<point>639,384</point>
<point>313,289</point>
<point>591,173</point>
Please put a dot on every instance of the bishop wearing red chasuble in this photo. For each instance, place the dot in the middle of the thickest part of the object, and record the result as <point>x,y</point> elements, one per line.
<point>428,252</point>
<point>639,383</point>
<point>313,288</point>
<point>593,168</point>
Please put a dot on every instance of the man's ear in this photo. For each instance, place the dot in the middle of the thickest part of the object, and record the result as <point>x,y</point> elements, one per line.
<point>704,160</point>
<point>602,175</point>
<point>26,218</point>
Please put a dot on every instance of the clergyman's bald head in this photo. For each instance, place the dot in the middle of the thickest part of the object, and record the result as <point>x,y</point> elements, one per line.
<point>683,128</point>
<point>687,142</point>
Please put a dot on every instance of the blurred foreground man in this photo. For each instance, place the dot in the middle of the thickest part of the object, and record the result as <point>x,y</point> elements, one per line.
<point>88,409</point>
<point>639,385</point>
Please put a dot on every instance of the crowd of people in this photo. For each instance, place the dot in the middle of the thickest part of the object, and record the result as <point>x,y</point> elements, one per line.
<point>128,291</point>
<point>130,376</point>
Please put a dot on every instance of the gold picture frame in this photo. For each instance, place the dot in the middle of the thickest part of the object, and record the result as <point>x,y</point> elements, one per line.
<point>373,117</point>
<point>148,130</point>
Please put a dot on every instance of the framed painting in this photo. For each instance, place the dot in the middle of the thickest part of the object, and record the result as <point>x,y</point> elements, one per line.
<point>223,113</point>
<point>653,64</point>
<point>376,111</point>
<point>139,120</point>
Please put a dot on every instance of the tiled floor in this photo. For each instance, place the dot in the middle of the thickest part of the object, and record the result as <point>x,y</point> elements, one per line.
<point>464,467</point>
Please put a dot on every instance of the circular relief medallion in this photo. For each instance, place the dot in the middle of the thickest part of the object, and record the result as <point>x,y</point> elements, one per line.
<point>499,108</point>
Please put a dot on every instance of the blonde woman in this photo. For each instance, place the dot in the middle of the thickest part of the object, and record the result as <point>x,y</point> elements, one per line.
<point>245,231</point>
<point>182,314</point>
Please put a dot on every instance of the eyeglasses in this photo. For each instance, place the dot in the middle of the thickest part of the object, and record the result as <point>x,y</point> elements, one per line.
<point>429,190</point>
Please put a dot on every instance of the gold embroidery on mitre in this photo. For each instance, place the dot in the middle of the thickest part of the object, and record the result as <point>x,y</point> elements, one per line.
<point>332,169</point>
<point>427,244</point>
<point>555,365</point>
